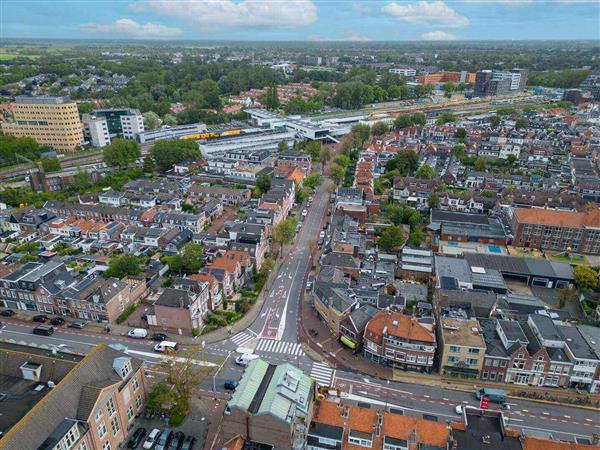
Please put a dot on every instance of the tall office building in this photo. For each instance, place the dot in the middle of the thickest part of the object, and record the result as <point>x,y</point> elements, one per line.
<point>122,122</point>
<point>95,130</point>
<point>482,78</point>
<point>51,121</point>
<point>500,82</point>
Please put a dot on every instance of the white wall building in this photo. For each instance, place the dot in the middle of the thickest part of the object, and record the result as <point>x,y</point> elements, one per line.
<point>405,72</point>
<point>131,125</point>
<point>95,131</point>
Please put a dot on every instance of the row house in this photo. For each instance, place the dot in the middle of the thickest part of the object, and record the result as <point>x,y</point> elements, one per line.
<point>279,199</point>
<point>400,341</point>
<point>232,266</point>
<point>153,186</point>
<point>515,355</point>
<point>182,309</point>
<point>568,338</point>
<point>215,293</point>
<point>348,427</point>
<point>151,237</point>
<point>414,191</point>
<point>462,347</point>
<point>24,219</point>
<point>98,299</point>
<point>224,195</point>
<point>293,160</point>
<point>93,212</point>
<point>223,277</point>
<point>87,229</point>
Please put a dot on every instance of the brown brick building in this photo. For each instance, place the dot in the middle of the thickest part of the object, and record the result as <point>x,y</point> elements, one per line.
<point>578,232</point>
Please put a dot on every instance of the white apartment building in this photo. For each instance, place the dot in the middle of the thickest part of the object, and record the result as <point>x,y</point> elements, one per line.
<point>405,72</point>
<point>95,131</point>
<point>131,125</point>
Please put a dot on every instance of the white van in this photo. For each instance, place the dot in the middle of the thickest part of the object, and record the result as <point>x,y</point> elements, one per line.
<point>138,333</point>
<point>244,360</point>
<point>166,346</point>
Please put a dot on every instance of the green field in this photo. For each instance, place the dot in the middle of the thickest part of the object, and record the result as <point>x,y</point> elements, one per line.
<point>11,56</point>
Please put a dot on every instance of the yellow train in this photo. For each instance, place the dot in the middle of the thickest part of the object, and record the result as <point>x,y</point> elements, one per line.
<point>213,134</point>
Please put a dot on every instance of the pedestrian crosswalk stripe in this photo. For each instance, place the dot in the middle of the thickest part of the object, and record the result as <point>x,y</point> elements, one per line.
<point>242,338</point>
<point>322,374</point>
<point>273,346</point>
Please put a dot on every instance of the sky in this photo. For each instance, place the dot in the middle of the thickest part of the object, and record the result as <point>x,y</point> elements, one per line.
<point>302,20</point>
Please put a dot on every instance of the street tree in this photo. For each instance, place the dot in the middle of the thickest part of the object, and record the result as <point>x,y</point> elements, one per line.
<point>51,164</point>
<point>148,165</point>
<point>336,173</point>
<point>313,149</point>
<point>418,118</point>
<point>325,155</point>
<point>285,231</point>
<point>313,180</point>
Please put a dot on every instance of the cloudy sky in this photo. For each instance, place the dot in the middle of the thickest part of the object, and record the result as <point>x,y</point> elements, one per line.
<point>310,20</point>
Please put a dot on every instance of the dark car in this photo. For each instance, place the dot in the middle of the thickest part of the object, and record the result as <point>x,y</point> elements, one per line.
<point>136,438</point>
<point>177,441</point>
<point>188,443</point>
<point>57,321</point>
<point>7,313</point>
<point>43,330</point>
<point>159,337</point>
<point>40,318</point>
<point>230,385</point>
<point>77,324</point>
<point>164,439</point>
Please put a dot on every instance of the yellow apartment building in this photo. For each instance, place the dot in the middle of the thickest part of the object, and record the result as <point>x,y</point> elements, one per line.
<point>51,121</point>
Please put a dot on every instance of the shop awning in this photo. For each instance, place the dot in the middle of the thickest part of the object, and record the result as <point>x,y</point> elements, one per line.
<point>348,342</point>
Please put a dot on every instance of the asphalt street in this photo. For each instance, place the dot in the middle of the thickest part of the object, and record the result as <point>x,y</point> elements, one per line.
<point>274,336</point>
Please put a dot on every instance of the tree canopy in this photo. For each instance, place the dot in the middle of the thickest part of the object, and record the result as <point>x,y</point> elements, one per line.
<point>121,152</point>
<point>169,152</point>
<point>391,237</point>
<point>123,265</point>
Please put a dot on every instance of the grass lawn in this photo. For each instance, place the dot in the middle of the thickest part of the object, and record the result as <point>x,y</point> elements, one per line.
<point>571,259</point>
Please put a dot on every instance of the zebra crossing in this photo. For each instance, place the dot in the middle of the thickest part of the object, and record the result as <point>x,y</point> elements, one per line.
<point>242,338</point>
<point>322,374</point>
<point>273,346</point>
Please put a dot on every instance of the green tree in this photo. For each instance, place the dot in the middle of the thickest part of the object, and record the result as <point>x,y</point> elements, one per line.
<point>285,231</point>
<point>313,148</point>
<point>461,133</point>
<point>425,171</point>
<point>270,99</point>
<point>263,183</point>
<point>170,120</point>
<point>313,180</point>
<point>445,117</point>
<point>418,118</point>
<point>521,122</point>
<point>169,152</point>
<point>479,164</point>
<point>325,154</point>
<point>406,162</point>
<point>151,120</point>
<point>511,159</point>
<point>121,153</point>
<point>51,164</point>
<point>336,173</point>
<point>209,90</point>
<point>423,90</point>
<point>566,295</point>
<point>123,265</point>
<point>342,160</point>
<point>403,121</point>
<point>81,180</point>
<point>361,133</point>
<point>458,151</point>
<point>391,237</point>
<point>495,121</point>
<point>282,146</point>
<point>449,88</point>
<point>415,237</point>
<point>586,278</point>
<point>379,128</point>
<point>149,165</point>
<point>189,261</point>
<point>433,201</point>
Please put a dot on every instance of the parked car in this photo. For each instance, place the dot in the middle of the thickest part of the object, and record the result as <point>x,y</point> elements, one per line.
<point>43,330</point>
<point>244,360</point>
<point>230,385</point>
<point>41,318</point>
<point>57,321</point>
<point>79,324</point>
<point>159,337</point>
<point>138,333</point>
<point>164,439</point>
<point>7,313</point>
<point>136,438</point>
<point>188,443</point>
<point>151,439</point>
<point>177,441</point>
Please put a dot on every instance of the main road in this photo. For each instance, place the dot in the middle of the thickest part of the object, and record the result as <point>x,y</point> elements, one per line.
<point>274,336</point>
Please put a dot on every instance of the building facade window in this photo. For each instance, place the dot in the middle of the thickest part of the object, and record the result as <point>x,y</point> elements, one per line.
<point>114,424</point>
<point>102,430</point>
